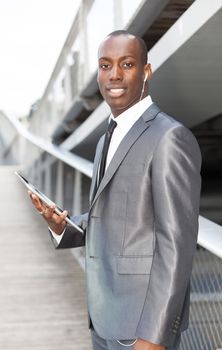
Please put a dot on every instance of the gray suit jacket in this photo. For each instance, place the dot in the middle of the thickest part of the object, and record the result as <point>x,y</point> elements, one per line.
<point>141,232</point>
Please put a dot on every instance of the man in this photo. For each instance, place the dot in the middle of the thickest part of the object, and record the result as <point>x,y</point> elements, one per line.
<point>141,229</point>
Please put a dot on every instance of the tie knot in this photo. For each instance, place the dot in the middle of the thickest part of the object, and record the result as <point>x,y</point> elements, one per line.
<point>111,126</point>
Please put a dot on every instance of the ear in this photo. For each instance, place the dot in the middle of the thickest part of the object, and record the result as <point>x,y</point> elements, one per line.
<point>147,72</point>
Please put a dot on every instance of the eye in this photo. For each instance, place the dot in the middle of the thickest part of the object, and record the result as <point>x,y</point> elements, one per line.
<point>104,66</point>
<point>128,65</point>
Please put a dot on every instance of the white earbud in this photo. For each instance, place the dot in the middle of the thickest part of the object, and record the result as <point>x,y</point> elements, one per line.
<point>144,80</point>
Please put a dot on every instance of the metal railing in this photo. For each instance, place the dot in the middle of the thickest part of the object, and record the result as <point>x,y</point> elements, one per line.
<point>205,328</point>
<point>79,163</point>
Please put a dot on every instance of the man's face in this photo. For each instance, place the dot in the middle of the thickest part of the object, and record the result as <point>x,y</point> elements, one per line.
<point>121,72</point>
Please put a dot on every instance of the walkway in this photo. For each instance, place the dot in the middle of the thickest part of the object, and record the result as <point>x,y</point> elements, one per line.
<point>42,301</point>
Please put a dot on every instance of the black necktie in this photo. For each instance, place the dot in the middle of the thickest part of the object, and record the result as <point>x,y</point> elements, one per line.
<point>107,140</point>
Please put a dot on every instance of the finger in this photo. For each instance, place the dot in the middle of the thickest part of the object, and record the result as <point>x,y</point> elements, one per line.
<point>60,218</point>
<point>30,193</point>
<point>49,212</point>
<point>36,201</point>
<point>64,214</point>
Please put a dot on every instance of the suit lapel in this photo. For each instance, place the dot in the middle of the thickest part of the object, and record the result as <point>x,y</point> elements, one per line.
<point>134,133</point>
<point>120,154</point>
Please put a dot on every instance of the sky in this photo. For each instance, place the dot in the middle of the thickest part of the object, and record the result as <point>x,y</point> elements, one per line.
<point>32,34</point>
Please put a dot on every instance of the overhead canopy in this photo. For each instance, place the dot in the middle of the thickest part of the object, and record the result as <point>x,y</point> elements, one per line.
<point>188,83</point>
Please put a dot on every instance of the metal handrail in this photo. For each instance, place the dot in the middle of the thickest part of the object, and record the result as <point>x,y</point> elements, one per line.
<point>73,160</point>
<point>210,236</point>
<point>210,233</point>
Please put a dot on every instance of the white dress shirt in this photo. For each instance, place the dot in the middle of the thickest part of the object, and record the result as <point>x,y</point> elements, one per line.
<point>124,123</point>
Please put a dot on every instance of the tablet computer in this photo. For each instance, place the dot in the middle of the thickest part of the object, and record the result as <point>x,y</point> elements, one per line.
<point>46,200</point>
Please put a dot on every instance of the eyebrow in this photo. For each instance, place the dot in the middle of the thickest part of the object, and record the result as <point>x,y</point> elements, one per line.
<point>122,58</point>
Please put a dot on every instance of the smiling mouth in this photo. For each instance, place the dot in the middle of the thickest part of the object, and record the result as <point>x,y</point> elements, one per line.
<point>116,92</point>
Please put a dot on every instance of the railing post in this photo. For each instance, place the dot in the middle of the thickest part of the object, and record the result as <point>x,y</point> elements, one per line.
<point>31,173</point>
<point>77,193</point>
<point>59,184</point>
<point>38,174</point>
<point>48,180</point>
<point>79,253</point>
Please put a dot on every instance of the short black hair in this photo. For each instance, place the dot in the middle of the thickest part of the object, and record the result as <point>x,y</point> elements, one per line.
<point>141,42</point>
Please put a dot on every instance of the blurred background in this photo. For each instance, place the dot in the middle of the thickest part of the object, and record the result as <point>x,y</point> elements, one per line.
<point>52,114</point>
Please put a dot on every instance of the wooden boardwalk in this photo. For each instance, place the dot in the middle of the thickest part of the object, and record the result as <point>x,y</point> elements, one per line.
<point>42,296</point>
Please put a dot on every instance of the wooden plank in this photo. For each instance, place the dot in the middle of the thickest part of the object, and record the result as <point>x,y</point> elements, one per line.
<point>42,293</point>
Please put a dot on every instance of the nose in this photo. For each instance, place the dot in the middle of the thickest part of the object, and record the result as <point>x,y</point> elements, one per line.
<point>115,73</point>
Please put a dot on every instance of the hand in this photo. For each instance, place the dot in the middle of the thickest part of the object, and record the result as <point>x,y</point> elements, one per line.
<point>55,221</point>
<point>146,345</point>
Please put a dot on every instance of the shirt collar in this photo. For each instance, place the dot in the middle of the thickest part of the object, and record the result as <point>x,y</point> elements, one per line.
<point>130,116</point>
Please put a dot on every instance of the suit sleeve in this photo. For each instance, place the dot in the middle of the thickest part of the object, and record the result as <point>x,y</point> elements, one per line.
<point>72,238</point>
<point>176,191</point>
